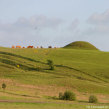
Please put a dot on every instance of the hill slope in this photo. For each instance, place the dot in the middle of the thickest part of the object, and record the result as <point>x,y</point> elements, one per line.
<point>81,45</point>
<point>80,70</point>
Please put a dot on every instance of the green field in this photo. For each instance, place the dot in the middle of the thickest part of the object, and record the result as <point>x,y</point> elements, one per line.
<point>28,78</point>
<point>49,106</point>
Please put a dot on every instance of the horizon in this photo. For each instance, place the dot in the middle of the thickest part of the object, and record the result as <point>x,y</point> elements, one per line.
<point>55,23</point>
<point>26,46</point>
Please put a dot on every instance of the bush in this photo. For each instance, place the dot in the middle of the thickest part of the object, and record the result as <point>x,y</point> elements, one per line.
<point>61,96</point>
<point>4,86</point>
<point>51,65</point>
<point>68,95</point>
<point>93,99</point>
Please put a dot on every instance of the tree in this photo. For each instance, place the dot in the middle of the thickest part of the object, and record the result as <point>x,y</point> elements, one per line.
<point>4,86</point>
<point>51,65</point>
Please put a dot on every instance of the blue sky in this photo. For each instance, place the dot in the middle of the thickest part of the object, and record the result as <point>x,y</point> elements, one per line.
<point>54,22</point>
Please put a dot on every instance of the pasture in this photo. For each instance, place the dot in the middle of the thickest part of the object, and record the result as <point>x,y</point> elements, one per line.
<point>84,72</point>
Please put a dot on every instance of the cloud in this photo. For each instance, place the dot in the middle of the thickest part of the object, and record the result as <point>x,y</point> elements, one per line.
<point>100,19</point>
<point>100,22</point>
<point>74,25</point>
<point>96,30</point>
<point>39,22</point>
<point>37,30</point>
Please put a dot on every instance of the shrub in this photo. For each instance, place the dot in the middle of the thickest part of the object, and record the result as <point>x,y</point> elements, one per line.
<point>4,86</point>
<point>93,99</point>
<point>68,95</point>
<point>61,96</point>
<point>51,65</point>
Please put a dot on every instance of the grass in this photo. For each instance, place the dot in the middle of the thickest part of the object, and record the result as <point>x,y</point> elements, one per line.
<point>81,45</point>
<point>38,106</point>
<point>83,71</point>
<point>48,106</point>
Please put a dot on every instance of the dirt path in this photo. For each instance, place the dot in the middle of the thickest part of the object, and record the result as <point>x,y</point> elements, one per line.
<point>44,102</point>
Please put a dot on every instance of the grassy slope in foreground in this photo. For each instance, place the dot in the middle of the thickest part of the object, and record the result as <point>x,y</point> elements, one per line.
<point>47,106</point>
<point>81,45</point>
<point>81,70</point>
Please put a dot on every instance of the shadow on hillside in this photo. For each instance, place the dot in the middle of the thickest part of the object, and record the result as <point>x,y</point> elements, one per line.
<point>24,67</point>
<point>19,94</point>
<point>83,101</point>
<point>80,72</point>
<point>37,69</point>
<point>29,59</point>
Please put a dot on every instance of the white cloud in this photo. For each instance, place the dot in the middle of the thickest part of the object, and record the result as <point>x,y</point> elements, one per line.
<point>37,30</point>
<point>100,19</point>
<point>100,22</point>
<point>96,30</point>
<point>74,25</point>
<point>39,22</point>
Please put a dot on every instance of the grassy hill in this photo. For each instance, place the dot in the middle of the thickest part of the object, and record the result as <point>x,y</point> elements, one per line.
<point>81,45</point>
<point>26,73</point>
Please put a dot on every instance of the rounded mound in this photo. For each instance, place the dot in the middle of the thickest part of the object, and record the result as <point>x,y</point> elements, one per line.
<point>81,45</point>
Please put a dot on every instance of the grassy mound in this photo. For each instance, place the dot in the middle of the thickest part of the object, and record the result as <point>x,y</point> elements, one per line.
<point>81,45</point>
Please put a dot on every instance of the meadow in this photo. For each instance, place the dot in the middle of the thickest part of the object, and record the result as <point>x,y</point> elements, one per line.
<point>49,106</point>
<point>28,78</point>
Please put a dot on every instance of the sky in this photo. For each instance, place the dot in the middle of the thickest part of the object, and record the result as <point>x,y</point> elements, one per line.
<point>54,22</point>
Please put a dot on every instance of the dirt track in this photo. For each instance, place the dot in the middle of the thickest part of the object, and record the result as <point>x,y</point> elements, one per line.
<point>43,102</point>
